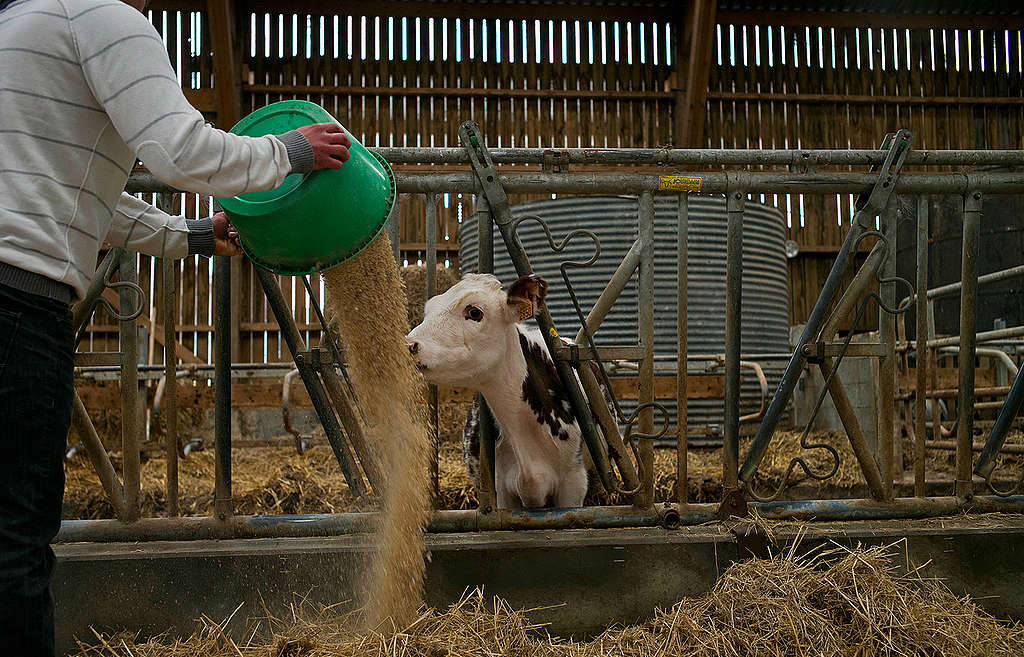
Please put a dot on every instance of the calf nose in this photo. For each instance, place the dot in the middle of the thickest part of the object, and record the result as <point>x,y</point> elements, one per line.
<point>414,347</point>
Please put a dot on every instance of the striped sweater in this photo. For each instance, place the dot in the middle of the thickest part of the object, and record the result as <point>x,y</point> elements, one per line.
<point>86,87</point>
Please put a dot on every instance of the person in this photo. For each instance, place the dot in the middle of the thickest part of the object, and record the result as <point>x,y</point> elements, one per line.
<point>86,88</point>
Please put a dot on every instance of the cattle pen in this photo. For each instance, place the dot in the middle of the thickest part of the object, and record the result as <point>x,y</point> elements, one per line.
<point>931,463</point>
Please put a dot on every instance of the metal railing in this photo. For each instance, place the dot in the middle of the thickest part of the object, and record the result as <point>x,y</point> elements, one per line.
<point>620,469</point>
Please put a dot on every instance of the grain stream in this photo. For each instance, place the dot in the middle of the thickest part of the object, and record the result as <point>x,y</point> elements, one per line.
<point>367,299</point>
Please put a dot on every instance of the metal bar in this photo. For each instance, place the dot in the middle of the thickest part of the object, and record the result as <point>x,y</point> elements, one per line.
<point>997,436</point>
<point>846,309</point>
<point>952,445</point>
<point>223,504</point>
<point>868,205</point>
<point>130,429</point>
<point>994,277</point>
<point>98,456</point>
<point>435,438</point>
<point>315,388</point>
<point>353,429</point>
<point>984,336</point>
<point>170,404</point>
<point>285,526</point>
<point>616,284</point>
<point>796,364</point>
<point>645,301</point>
<point>616,447</point>
<point>858,441</point>
<point>704,157</point>
<point>710,183</point>
<point>682,305</point>
<point>920,402</point>
<point>81,311</point>
<point>393,227</point>
<point>953,393</point>
<point>968,342</point>
<point>485,265</point>
<point>736,200</point>
<point>886,389</point>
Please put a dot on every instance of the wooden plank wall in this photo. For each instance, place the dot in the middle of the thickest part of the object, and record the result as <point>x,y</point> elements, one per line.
<point>825,87</point>
<point>591,83</point>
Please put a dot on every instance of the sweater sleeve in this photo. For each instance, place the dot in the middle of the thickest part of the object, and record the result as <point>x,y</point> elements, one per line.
<point>126,66</point>
<point>138,226</point>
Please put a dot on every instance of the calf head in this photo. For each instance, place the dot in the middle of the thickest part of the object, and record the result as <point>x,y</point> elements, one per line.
<point>467,331</point>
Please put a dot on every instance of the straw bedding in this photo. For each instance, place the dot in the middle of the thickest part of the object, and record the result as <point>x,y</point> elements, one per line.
<point>278,480</point>
<point>829,602</point>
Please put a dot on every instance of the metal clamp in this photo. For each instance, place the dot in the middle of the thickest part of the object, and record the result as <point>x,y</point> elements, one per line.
<point>555,161</point>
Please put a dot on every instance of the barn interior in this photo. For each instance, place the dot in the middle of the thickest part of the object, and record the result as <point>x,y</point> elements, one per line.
<point>787,237</point>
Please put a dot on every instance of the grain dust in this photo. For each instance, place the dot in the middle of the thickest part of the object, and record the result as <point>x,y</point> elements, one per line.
<point>368,302</point>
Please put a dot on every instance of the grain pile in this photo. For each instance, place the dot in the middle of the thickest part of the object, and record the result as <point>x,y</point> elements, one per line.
<point>833,602</point>
<point>368,304</point>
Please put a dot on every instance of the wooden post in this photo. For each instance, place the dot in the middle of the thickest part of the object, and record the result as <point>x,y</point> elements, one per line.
<point>226,66</point>
<point>702,31</point>
<point>227,94</point>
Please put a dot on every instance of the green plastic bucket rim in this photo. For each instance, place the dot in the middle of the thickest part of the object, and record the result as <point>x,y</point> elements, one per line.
<point>293,182</point>
<point>324,266</point>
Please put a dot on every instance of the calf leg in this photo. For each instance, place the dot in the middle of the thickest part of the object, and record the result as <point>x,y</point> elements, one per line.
<point>572,489</point>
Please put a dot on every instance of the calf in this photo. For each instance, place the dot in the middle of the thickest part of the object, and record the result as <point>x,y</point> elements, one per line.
<point>471,337</point>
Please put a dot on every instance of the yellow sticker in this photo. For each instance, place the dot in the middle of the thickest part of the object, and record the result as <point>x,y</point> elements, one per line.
<point>553,332</point>
<point>680,183</point>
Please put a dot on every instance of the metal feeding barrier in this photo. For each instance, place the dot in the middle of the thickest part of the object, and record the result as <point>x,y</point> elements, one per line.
<point>621,445</point>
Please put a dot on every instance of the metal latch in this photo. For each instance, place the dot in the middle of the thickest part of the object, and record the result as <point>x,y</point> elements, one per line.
<point>555,161</point>
<point>814,352</point>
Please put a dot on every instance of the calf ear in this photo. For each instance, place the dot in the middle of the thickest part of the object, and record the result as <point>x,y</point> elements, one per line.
<point>524,295</point>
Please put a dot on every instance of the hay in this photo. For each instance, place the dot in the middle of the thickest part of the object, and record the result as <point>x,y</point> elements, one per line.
<point>832,602</point>
<point>370,309</point>
<point>415,279</point>
<point>277,480</point>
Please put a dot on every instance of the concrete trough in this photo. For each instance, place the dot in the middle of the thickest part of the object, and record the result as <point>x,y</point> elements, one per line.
<point>598,577</point>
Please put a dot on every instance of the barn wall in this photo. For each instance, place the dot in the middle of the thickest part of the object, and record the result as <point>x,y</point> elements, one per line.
<point>593,81</point>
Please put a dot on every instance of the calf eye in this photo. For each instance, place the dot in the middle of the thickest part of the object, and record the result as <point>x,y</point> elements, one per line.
<point>473,313</point>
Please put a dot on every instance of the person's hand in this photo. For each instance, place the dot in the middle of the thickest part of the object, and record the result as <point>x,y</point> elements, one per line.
<point>330,144</point>
<point>225,237</point>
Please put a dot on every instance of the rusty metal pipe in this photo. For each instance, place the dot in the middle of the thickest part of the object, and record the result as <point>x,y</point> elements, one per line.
<point>616,284</point>
<point>282,526</point>
<point>762,381</point>
<point>682,346</point>
<point>968,343</point>
<point>645,324</point>
<point>98,456</point>
<point>858,441</point>
<point>354,430</point>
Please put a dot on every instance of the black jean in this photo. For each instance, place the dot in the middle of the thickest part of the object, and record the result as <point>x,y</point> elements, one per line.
<point>36,394</point>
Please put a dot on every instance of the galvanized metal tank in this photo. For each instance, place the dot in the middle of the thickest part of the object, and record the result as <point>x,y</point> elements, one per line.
<point>613,219</point>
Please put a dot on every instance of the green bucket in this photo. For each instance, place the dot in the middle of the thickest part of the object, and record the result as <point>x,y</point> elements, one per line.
<point>313,221</point>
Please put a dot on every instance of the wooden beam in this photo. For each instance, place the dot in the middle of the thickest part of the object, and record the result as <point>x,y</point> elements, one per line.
<point>155,330</point>
<point>267,393</point>
<point>226,70</point>
<point>460,92</point>
<point>697,387</point>
<point>862,19</point>
<point>702,30</point>
<point>865,100</point>
<point>492,10</point>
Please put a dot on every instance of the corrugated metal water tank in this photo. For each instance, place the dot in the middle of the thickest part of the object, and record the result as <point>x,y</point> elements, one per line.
<point>613,219</point>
